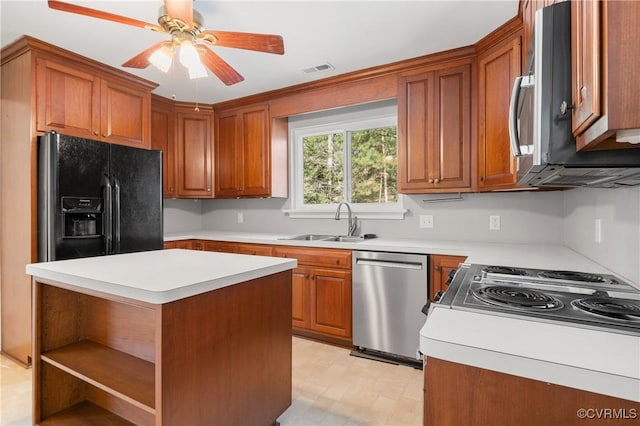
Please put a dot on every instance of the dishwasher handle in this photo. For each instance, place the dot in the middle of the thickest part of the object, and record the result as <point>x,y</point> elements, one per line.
<point>390,263</point>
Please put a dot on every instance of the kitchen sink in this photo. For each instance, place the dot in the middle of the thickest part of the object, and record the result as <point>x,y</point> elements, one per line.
<point>321,237</point>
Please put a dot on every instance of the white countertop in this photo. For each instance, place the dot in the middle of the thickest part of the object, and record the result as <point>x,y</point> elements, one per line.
<point>159,276</point>
<point>541,256</point>
<point>596,361</point>
<point>592,360</point>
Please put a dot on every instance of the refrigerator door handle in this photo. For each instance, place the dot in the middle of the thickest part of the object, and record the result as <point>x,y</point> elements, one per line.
<point>116,217</point>
<point>108,214</point>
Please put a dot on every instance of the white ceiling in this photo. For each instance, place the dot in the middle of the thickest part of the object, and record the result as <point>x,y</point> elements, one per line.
<point>350,35</point>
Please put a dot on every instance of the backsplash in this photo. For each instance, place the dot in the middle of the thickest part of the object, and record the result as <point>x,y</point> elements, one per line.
<point>619,213</point>
<point>555,217</point>
<point>525,217</point>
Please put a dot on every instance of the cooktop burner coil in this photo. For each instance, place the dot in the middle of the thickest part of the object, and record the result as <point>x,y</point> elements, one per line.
<point>621,309</point>
<point>503,270</point>
<point>572,276</point>
<point>517,298</point>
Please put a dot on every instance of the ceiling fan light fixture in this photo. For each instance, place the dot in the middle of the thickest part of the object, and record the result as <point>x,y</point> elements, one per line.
<point>162,58</point>
<point>189,54</point>
<point>197,70</point>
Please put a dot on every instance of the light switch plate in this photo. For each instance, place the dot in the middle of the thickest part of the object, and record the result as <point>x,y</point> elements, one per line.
<point>494,223</point>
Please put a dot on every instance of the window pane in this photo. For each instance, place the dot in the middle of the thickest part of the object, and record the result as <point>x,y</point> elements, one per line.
<point>374,165</point>
<point>323,172</point>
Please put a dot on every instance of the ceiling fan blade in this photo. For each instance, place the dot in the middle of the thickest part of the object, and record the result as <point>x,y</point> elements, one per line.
<point>180,9</point>
<point>141,60</point>
<point>81,10</point>
<point>267,43</point>
<point>219,67</point>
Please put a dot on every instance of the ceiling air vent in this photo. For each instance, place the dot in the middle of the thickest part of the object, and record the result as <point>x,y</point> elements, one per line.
<point>322,67</point>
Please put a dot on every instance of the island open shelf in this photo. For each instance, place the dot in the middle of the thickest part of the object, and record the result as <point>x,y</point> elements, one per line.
<point>222,355</point>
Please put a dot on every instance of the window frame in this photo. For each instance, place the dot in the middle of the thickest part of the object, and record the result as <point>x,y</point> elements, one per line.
<point>338,122</point>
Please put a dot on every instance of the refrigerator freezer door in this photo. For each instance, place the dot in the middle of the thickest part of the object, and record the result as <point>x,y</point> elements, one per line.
<point>70,210</point>
<point>136,178</point>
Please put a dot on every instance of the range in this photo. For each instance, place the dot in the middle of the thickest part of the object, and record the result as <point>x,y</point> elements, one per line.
<point>587,300</point>
<point>569,328</point>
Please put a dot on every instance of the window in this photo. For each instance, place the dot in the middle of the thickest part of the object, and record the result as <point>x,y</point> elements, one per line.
<point>346,155</point>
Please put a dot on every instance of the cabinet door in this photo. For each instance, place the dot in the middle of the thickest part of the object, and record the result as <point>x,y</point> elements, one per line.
<point>498,68</point>
<point>67,100</point>
<point>243,156</point>
<point>227,162</point>
<point>331,302</point>
<point>415,132</point>
<point>300,303</point>
<point>585,63</point>
<point>195,177</point>
<point>440,266</point>
<point>452,122</point>
<point>434,129</point>
<point>125,114</point>
<point>255,168</point>
<point>163,138</point>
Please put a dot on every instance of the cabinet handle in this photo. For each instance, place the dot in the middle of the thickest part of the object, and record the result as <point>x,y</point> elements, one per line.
<point>96,133</point>
<point>208,189</point>
<point>104,135</point>
<point>481,178</point>
<point>430,180</point>
<point>437,181</point>
<point>306,277</point>
<point>337,261</point>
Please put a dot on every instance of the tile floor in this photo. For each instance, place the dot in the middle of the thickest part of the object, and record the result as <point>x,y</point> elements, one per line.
<point>330,387</point>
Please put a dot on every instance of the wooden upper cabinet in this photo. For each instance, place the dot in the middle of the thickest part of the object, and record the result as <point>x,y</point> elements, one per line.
<point>242,153</point>
<point>163,138</point>
<point>125,114</point>
<point>68,100</point>
<point>78,101</point>
<point>434,129</point>
<point>605,53</point>
<point>585,63</point>
<point>194,153</point>
<point>497,69</point>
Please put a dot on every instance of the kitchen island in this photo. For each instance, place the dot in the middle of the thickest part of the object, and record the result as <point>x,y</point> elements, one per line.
<point>162,337</point>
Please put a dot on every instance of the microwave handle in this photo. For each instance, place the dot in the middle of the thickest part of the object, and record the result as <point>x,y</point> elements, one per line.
<point>514,134</point>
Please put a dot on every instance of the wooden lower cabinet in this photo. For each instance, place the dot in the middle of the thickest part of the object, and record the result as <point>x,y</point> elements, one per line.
<point>458,394</point>
<point>439,268</point>
<point>181,244</point>
<point>103,359</point>
<point>321,293</point>
<point>221,246</point>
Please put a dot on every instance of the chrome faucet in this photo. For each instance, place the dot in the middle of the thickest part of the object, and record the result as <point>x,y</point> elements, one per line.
<point>352,224</point>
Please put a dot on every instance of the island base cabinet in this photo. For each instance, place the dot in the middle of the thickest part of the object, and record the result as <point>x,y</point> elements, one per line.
<point>220,357</point>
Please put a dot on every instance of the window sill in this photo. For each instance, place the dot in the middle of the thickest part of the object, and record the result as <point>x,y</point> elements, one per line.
<point>331,214</point>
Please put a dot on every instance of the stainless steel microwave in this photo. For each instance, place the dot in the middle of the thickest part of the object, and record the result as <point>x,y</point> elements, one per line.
<point>540,116</point>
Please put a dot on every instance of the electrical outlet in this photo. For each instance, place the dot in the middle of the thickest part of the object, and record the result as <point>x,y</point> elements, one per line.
<point>426,221</point>
<point>240,217</point>
<point>494,223</point>
<point>597,234</point>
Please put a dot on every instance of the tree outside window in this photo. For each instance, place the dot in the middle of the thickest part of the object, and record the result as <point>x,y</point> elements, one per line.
<point>360,166</point>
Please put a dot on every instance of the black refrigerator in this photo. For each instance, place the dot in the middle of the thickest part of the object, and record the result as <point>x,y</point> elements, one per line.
<point>96,198</point>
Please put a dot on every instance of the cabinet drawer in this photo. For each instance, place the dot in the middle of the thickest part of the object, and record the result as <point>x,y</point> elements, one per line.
<point>255,249</point>
<point>221,246</point>
<point>316,257</point>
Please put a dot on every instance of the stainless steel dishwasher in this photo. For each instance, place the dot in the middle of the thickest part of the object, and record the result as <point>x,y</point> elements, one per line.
<point>389,291</point>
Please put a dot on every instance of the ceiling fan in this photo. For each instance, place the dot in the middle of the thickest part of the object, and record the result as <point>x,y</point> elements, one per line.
<point>188,36</point>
